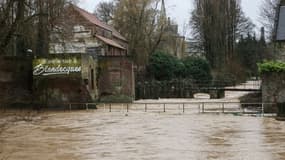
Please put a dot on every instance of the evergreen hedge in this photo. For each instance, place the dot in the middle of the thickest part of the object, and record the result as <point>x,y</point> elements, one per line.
<point>163,66</point>
<point>271,66</point>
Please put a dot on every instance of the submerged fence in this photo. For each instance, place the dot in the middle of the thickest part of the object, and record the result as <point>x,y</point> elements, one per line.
<point>183,107</point>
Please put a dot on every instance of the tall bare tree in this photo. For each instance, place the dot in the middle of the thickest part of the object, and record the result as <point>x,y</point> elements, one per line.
<point>217,25</point>
<point>268,15</point>
<point>142,23</point>
<point>26,24</point>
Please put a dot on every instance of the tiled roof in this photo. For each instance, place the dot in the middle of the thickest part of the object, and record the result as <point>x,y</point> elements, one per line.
<point>94,20</point>
<point>110,42</point>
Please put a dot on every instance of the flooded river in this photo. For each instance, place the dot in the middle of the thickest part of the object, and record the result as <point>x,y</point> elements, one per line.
<point>139,135</point>
<point>90,135</point>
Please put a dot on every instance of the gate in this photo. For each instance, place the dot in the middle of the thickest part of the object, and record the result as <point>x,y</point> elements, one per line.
<point>177,88</point>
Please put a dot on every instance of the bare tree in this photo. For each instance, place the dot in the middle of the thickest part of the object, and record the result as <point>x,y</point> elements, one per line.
<point>268,15</point>
<point>141,22</point>
<point>105,11</point>
<point>217,25</point>
<point>26,24</point>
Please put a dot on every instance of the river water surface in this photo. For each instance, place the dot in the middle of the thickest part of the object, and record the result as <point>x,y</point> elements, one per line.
<point>139,135</point>
<point>102,135</point>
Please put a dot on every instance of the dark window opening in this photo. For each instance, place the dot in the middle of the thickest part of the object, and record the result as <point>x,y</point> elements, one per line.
<point>92,79</point>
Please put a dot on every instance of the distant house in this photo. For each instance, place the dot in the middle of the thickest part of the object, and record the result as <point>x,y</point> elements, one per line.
<point>87,34</point>
<point>280,32</point>
<point>88,60</point>
<point>193,48</point>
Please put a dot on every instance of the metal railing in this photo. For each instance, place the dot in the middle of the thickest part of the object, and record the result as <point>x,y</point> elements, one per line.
<point>181,107</point>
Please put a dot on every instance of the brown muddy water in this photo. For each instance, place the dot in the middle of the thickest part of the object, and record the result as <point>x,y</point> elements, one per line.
<point>90,135</point>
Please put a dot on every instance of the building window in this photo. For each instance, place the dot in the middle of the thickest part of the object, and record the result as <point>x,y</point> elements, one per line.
<point>116,78</point>
<point>92,79</point>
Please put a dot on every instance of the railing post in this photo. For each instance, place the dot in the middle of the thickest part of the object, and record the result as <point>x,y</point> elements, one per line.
<point>243,109</point>
<point>145,107</point>
<point>127,107</point>
<point>203,107</point>
<point>110,107</point>
<point>223,107</point>
<point>69,106</point>
<point>87,108</point>
<point>164,110</point>
<point>262,109</point>
<point>183,107</point>
<point>199,107</point>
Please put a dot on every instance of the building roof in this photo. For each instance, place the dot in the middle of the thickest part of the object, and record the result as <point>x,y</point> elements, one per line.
<point>110,42</point>
<point>280,35</point>
<point>94,20</point>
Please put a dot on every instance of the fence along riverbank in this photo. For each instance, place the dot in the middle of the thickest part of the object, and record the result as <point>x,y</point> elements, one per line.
<point>183,107</point>
<point>171,107</point>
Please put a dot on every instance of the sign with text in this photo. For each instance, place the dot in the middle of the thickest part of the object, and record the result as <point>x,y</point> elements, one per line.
<point>56,66</point>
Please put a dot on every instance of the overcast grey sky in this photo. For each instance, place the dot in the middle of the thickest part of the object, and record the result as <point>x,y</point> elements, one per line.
<point>179,10</point>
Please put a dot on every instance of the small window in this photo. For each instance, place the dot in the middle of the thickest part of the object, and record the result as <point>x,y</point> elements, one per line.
<point>115,78</point>
<point>92,79</point>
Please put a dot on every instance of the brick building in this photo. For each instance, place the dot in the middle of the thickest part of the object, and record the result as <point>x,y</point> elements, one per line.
<point>88,61</point>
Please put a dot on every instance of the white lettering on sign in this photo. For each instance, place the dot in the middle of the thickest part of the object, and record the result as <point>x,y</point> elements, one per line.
<point>47,70</point>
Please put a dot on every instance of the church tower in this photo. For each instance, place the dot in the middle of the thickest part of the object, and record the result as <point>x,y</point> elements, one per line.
<point>163,12</point>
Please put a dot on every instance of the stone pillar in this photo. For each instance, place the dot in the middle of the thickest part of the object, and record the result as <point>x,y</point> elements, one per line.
<point>273,90</point>
<point>281,111</point>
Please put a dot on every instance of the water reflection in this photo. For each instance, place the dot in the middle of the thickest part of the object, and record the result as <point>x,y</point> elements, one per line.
<point>160,136</point>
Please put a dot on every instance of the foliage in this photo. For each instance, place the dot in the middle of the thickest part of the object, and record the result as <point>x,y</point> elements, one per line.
<point>197,69</point>
<point>271,66</point>
<point>250,51</point>
<point>163,66</point>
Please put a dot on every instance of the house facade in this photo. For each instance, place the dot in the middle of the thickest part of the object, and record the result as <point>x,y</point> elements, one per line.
<point>89,58</point>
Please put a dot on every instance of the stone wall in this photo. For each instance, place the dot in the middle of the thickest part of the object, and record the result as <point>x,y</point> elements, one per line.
<point>56,92</point>
<point>273,90</point>
<point>89,75</point>
<point>116,77</point>
<point>15,80</point>
<point>56,89</point>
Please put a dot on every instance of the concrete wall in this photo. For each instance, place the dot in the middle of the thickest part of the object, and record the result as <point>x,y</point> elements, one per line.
<point>273,90</point>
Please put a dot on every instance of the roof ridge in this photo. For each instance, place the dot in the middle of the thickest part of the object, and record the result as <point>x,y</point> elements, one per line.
<point>95,20</point>
<point>105,26</point>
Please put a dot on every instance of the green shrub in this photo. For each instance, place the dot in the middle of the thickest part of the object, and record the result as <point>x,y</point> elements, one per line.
<point>197,69</point>
<point>271,66</point>
<point>163,66</point>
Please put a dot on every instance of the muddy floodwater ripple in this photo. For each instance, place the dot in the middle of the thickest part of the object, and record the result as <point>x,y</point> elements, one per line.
<point>102,135</point>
